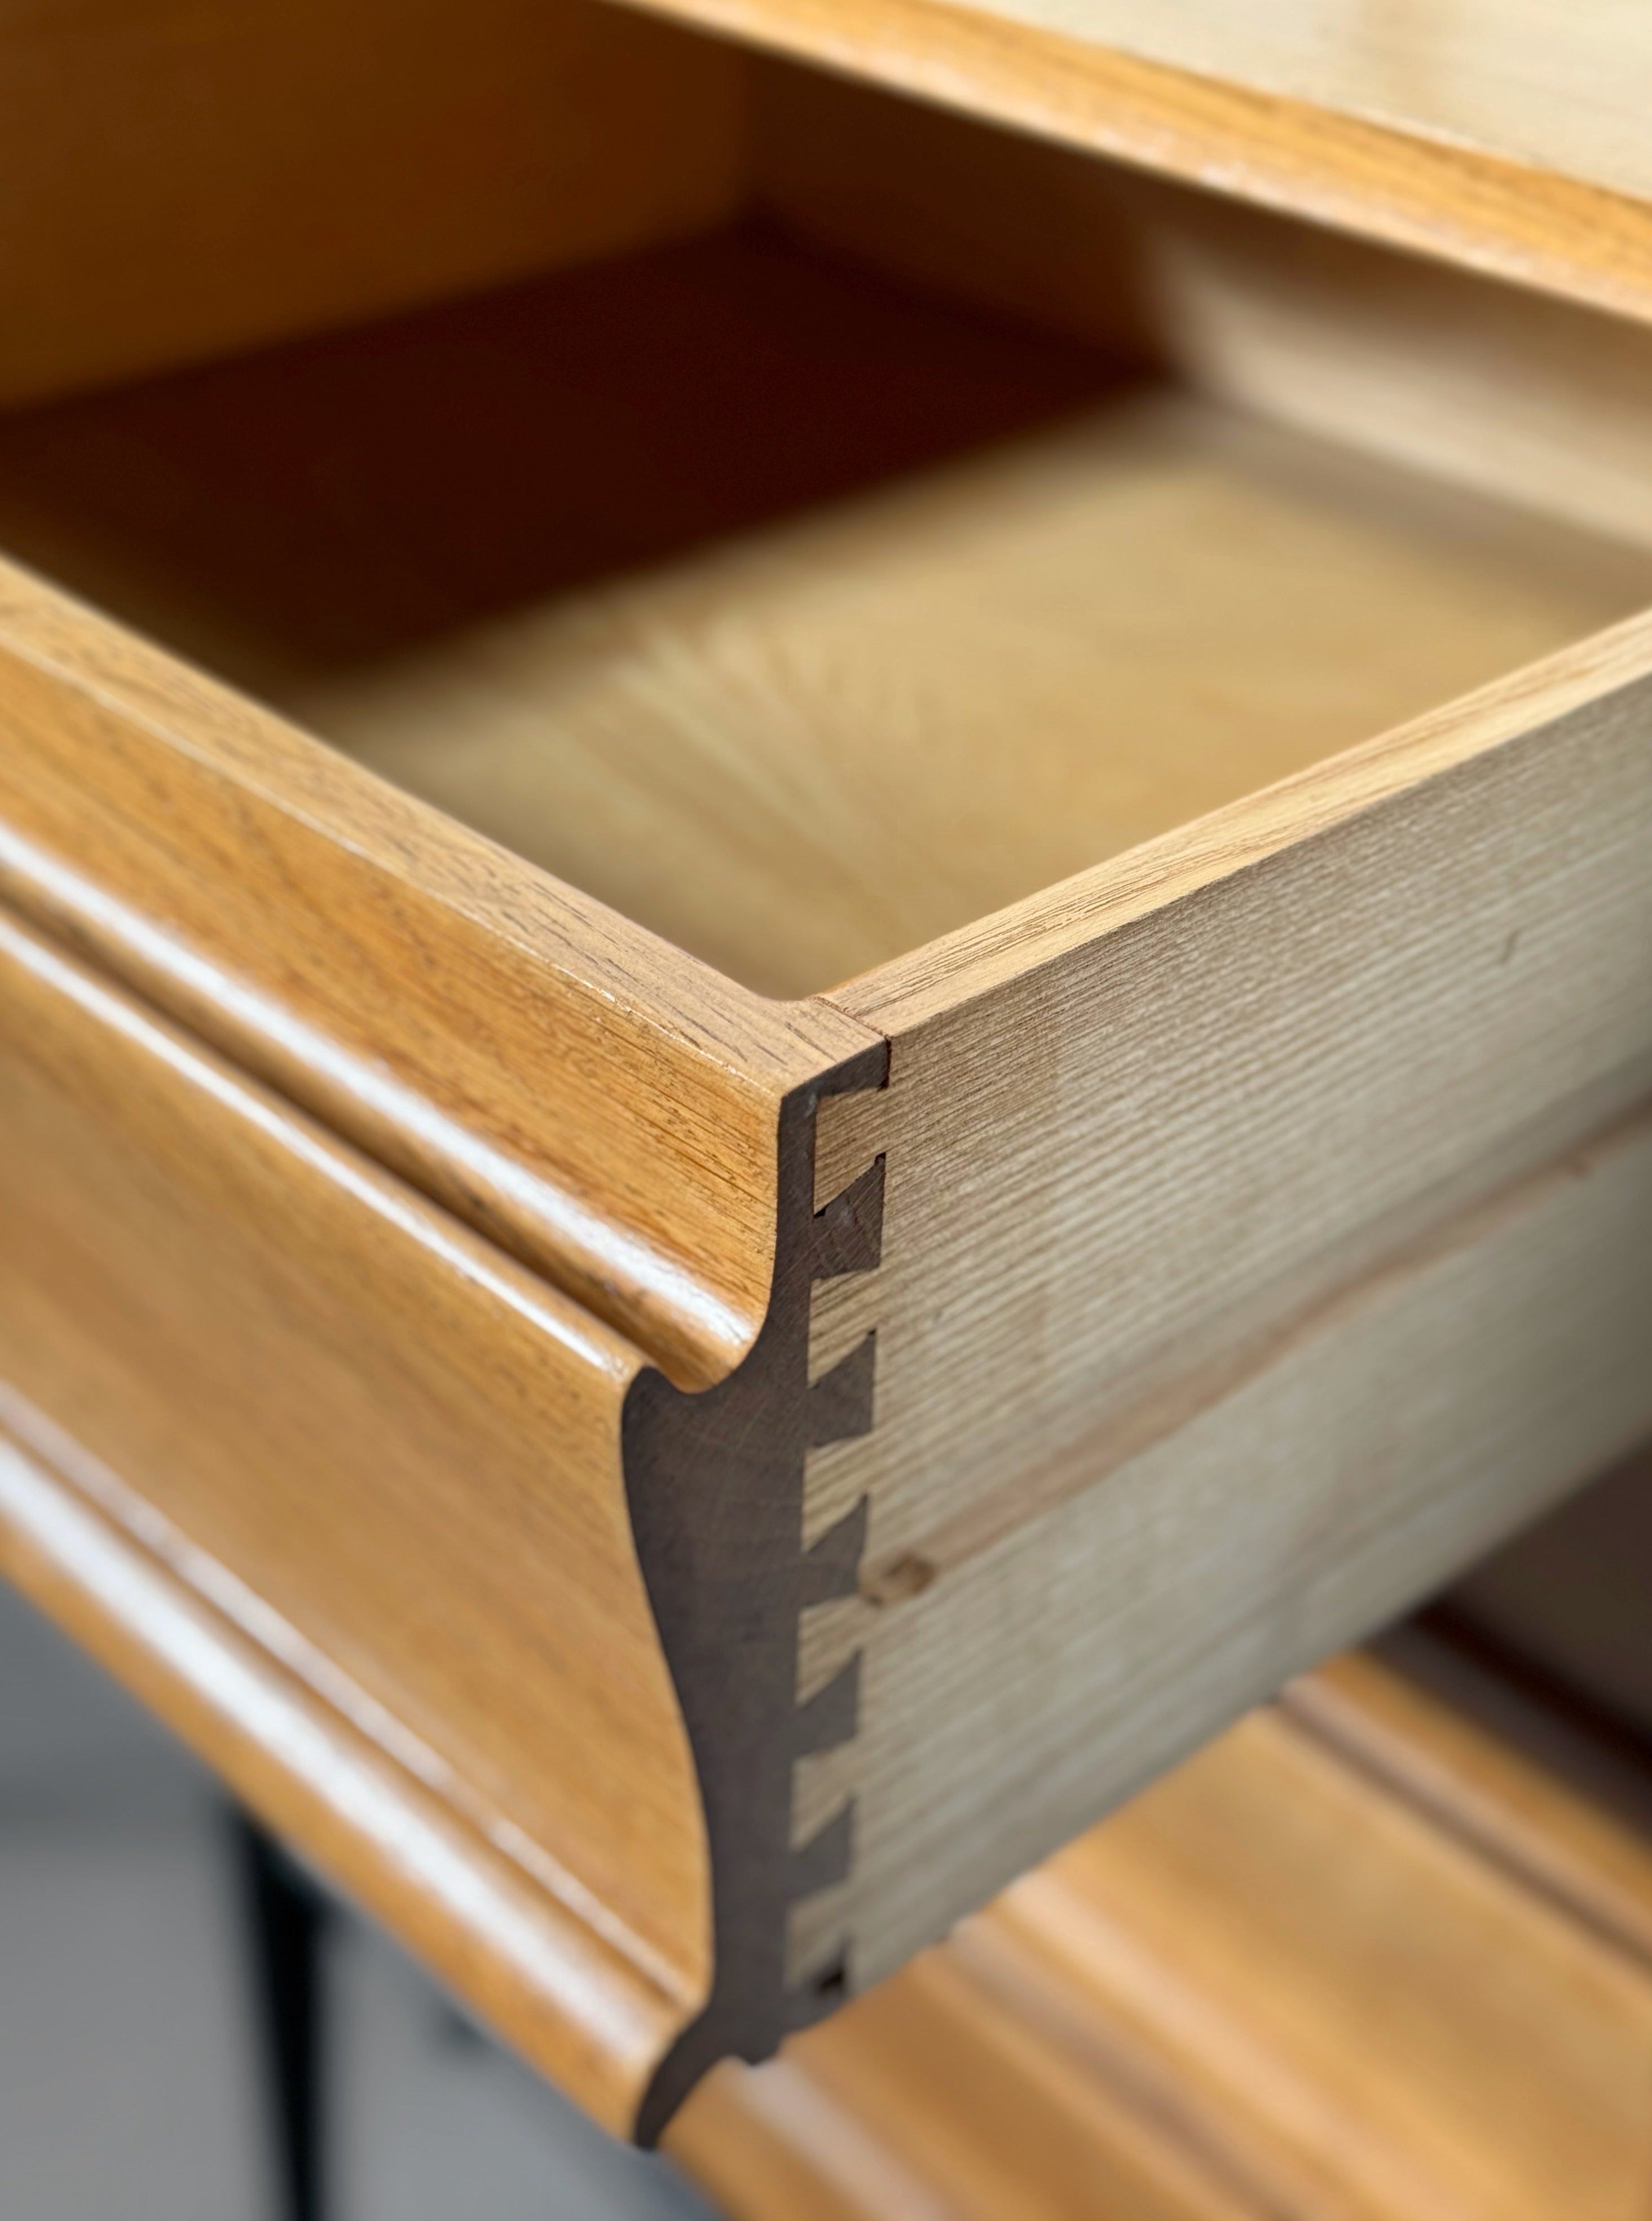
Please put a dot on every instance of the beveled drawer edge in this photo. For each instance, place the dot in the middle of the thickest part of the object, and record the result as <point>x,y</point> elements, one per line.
<point>598,1103</point>
<point>594,2016</point>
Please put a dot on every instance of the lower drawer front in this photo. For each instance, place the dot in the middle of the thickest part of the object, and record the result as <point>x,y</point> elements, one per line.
<point>379,1463</point>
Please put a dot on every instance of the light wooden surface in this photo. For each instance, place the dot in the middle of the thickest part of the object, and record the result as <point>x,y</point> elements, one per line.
<point>470,1515</point>
<point>1354,1217</point>
<point>1362,1958</point>
<point>301,1750</point>
<point>1078,1618</point>
<point>1505,139</point>
<point>189,180</point>
<point>813,746</point>
<point>1253,1227</point>
<point>852,736</point>
<point>502,1040</point>
<point>449,620</point>
<point>391,1454</point>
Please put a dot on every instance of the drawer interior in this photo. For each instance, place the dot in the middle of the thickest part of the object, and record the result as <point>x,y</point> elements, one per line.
<point>813,585</point>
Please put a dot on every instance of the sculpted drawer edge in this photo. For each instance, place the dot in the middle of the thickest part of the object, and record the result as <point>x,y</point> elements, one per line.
<point>385,1525</point>
<point>586,1095</point>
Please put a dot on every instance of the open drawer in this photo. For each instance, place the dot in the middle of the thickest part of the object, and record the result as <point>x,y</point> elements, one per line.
<point>943,1062</point>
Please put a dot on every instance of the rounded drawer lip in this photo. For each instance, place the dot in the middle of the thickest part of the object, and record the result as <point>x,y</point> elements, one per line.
<point>586,1095</point>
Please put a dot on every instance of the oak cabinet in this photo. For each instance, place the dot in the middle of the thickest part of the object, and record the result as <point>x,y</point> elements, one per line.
<point>807,1030</point>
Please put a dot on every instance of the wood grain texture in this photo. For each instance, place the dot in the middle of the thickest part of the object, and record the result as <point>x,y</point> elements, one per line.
<point>471,616</point>
<point>197,180</point>
<point>560,1592</point>
<point>1479,2046</point>
<point>603,1105</point>
<point>1254,1225</point>
<point>1556,91</point>
<point>781,2143</point>
<point>1294,1280</point>
<point>1364,1958</point>
<point>1060,1664</point>
<point>940,2091</point>
<point>817,718</point>
<point>381,1450</point>
<point>717,1482</point>
<point>1599,682</point>
<point>305,1753</point>
<point>1461,1742</point>
<point>1502,141</point>
<point>874,728</point>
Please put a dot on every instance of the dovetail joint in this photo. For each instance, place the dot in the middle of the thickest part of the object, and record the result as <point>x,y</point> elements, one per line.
<point>847,1239</point>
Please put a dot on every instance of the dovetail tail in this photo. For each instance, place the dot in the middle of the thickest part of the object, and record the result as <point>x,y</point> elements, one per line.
<point>832,1714</point>
<point>831,1569</point>
<point>752,1532</point>
<point>840,1402</point>
<point>848,1230</point>
<point>824,1861</point>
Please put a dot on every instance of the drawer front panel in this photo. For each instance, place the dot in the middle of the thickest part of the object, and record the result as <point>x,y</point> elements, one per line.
<point>386,1452</point>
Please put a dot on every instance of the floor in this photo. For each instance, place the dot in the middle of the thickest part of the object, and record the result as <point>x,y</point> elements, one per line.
<point>130,2087</point>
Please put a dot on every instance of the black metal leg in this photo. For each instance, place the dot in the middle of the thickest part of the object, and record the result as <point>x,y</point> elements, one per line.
<point>285,1920</point>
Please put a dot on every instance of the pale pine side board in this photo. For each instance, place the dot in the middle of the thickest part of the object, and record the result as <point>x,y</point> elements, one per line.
<point>1277,1191</point>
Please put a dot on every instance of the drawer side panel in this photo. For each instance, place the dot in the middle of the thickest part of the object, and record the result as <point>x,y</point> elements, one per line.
<point>1249,1269</point>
